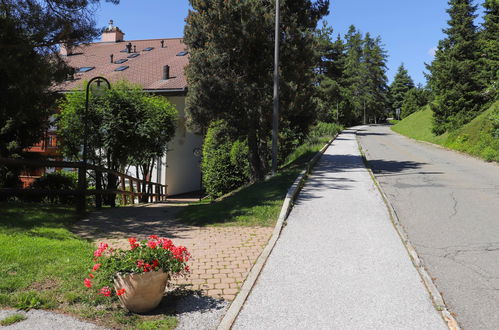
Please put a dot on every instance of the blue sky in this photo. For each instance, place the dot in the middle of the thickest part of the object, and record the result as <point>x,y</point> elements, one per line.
<point>409,29</point>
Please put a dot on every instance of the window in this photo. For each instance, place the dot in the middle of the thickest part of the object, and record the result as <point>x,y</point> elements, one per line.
<point>124,51</point>
<point>133,55</point>
<point>182,53</point>
<point>123,60</point>
<point>121,68</point>
<point>148,49</point>
<point>86,69</point>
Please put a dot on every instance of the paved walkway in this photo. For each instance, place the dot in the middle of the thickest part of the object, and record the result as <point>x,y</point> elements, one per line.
<point>339,263</point>
<point>221,256</point>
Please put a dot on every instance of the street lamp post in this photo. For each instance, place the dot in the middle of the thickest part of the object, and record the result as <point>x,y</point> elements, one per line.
<point>82,174</point>
<point>275,113</point>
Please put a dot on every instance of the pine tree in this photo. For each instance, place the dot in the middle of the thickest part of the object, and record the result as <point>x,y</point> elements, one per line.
<point>231,45</point>
<point>489,50</point>
<point>453,73</point>
<point>375,80</point>
<point>353,83</point>
<point>401,84</point>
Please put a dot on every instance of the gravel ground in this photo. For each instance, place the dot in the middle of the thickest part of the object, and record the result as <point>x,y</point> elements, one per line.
<point>193,311</point>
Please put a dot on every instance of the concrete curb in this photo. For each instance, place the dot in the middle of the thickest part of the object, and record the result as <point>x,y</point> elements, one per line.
<point>238,303</point>
<point>435,295</point>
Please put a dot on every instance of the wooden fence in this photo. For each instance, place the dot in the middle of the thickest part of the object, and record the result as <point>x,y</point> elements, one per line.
<point>131,189</point>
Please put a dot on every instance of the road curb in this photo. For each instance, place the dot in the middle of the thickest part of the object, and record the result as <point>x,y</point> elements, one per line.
<point>436,297</point>
<point>238,303</point>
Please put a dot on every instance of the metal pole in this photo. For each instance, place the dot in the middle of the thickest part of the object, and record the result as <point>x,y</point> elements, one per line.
<point>82,174</point>
<point>275,114</point>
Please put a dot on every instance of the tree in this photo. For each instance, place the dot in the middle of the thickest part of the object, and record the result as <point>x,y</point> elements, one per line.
<point>230,71</point>
<point>125,126</point>
<point>353,90</point>
<point>401,84</point>
<point>489,50</point>
<point>29,64</point>
<point>414,100</point>
<point>375,80</point>
<point>453,73</point>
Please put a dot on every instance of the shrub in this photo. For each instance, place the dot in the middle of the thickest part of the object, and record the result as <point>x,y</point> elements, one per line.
<point>55,181</point>
<point>225,162</point>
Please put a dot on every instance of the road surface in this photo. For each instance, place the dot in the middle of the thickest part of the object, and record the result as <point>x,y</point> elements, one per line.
<point>339,263</point>
<point>449,205</point>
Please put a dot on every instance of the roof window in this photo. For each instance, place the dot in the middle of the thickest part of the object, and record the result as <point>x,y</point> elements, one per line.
<point>182,53</point>
<point>133,55</point>
<point>85,69</point>
<point>122,68</point>
<point>123,60</point>
<point>148,49</point>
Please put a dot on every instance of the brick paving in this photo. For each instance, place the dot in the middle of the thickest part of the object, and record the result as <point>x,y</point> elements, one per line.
<point>221,256</point>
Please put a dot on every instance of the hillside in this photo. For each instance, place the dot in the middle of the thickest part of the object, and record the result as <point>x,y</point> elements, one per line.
<point>478,138</point>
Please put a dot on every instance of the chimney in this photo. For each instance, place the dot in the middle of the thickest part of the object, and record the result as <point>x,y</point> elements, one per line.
<point>112,57</point>
<point>129,47</point>
<point>162,43</point>
<point>66,49</point>
<point>134,48</point>
<point>166,72</point>
<point>112,33</point>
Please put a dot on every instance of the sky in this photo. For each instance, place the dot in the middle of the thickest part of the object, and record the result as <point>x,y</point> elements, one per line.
<point>410,30</point>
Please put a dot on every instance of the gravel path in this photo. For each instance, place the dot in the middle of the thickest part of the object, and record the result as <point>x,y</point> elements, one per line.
<point>339,263</point>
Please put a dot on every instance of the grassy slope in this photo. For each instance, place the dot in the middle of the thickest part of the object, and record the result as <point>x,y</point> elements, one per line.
<point>258,204</point>
<point>43,265</point>
<point>473,138</point>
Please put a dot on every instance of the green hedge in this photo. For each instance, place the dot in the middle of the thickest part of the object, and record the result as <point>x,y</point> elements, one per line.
<point>225,162</point>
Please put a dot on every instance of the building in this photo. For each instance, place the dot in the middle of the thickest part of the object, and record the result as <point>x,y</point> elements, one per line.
<point>158,66</point>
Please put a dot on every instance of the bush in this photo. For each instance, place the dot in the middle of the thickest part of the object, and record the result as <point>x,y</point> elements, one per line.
<point>55,181</point>
<point>225,162</point>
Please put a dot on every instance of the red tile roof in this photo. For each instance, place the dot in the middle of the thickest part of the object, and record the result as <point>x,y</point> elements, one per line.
<point>145,69</point>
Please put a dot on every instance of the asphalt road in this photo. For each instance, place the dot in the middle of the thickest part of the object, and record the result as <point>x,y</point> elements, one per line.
<point>449,205</point>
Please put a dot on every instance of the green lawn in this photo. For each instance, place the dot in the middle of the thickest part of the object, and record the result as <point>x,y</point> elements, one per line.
<point>258,204</point>
<point>475,138</point>
<point>43,265</point>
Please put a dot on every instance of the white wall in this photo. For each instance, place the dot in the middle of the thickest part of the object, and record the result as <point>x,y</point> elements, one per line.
<point>179,168</point>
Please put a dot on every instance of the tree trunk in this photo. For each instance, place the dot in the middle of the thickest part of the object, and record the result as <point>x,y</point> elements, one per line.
<point>255,161</point>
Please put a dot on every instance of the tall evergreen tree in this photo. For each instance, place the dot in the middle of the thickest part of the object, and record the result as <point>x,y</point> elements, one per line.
<point>353,78</point>
<point>453,73</point>
<point>489,49</point>
<point>401,84</point>
<point>375,80</point>
<point>230,71</point>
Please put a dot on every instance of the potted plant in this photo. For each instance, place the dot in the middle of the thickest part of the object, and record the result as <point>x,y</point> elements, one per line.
<point>140,274</point>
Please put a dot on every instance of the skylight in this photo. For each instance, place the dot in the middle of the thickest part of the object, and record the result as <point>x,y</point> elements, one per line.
<point>148,49</point>
<point>85,69</point>
<point>124,51</point>
<point>133,55</point>
<point>123,60</point>
<point>182,53</point>
<point>122,68</point>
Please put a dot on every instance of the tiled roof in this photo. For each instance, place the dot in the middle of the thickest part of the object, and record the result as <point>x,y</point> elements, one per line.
<point>145,69</point>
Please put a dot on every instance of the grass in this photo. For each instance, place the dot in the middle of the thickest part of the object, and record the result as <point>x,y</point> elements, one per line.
<point>14,318</point>
<point>43,265</point>
<point>258,204</point>
<point>475,138</point>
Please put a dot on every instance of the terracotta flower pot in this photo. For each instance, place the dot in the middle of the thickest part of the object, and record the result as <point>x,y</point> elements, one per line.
<point>143,292</point>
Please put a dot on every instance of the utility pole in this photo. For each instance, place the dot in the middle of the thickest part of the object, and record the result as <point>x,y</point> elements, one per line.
<point>365,121</point>
<point>275,113</point>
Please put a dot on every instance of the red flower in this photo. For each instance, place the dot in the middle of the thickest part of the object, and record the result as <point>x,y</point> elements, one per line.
<point>87,283</point>
<point>103,246</point>
<point>91,275</point>
<point>105,291</point>
<point>166,243</point>
<point>152,244</point>
<point>133,243</point>
<point>187,269</point>
<point>155,263</point>
<point>120,292</point>
<point>96,267</point>
<point>98,253</point>
<point>140,263</point>
<point>153,237</point>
